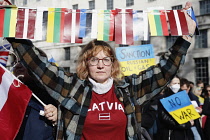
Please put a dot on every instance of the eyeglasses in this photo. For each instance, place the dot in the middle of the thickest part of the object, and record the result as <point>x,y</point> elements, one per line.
<point>208,90</point>
<point>107,61</point>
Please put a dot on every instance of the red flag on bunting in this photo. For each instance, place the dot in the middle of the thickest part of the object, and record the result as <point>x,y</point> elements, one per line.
<point>124,26</point>
<point>13,103</point>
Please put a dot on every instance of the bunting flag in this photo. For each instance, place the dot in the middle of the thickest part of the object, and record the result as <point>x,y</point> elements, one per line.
<point>13,102</point>
<point>124,26</point>
<point>177,22</point>
<point>158,23</point>
<point>26,19</point>
<point>71,22</point>
<point>8,22</point>
<point>88,24</point>
<point>41,23</point>
<point>4,52</point>
<point>106,25</point>
<point>140,25</point>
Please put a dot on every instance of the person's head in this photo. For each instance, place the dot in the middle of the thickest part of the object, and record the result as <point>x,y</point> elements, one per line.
<point>207,91</point>
<point>174,85</point>
<point>21,72</point>
<point>200,84</point>
<point>185,85</point>
<point>98,61</point>
<point>191,85</point>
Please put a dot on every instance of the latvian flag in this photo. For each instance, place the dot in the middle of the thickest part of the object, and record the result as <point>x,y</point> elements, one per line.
<point>106,25</point>
<point>8,22</point>
<point>63,25</point>
<point>4,52</point>
<point>13,102</point>
<point>26,20</point>
<point>158,23</point>
<point>124,26</point>
<point>177,22</point>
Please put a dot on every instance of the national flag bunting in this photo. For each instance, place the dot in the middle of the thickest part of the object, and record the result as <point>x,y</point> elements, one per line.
<point>4,52</point>
<point>8,22</point>
<point>177,22</point>
<point>106,25</point>
<point>140,25</point>
<point>124,26</point>
<point>71,26</point>
<point>13,102</point>
<point>26,19</point>
<point>158,23</point>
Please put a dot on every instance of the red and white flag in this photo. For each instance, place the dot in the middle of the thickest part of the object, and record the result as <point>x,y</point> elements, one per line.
<point>13,102</point>
<point>124,26</point>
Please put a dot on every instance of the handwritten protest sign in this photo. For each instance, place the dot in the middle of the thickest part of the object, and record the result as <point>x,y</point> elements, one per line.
<point>134,59</point>
<point>179,107</point>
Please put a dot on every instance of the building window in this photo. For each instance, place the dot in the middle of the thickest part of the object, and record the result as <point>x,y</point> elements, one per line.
<point>177,7</point>
<point>145,42</point>
<point>66,69</point>
<point>123,45</point>
<point>24,2</point>
<point>204,7</point>
<point>129,2</point>
<point>75,6</point>
<point>109,4</point>
<point>67,53</point>
<point>170,41</point>
<point>201,69</point>
<point>201,40</point>
<point>151,0</point>
<point>92,4</point>
<point>13,2</point>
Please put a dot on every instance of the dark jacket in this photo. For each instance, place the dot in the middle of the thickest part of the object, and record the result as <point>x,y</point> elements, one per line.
<point>206,111</point>
<point>169,127</point>
<point>35,126</point>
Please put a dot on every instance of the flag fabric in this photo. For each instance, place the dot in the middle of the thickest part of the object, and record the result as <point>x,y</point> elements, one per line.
<point>106,25</point>
<point>158,23</point>
<point>88,24</point>
<point>190,11</point>
<point>41,23</point>
<point>26,19</point>
<point>4,52</point>
<point>13,102</point>
<point>8,22</point>
<point>177,22</point>
<point>70,25</point>
<point>180,107</point>
<point>124,26</point>
<point>53,61</point>
<point>140,25</point>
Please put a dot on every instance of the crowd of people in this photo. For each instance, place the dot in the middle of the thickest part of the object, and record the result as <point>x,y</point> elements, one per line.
<point>99,103</point>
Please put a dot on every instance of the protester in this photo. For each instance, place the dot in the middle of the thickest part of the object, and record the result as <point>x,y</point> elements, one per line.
<point>196,128</point>
<point>169,128</point>
<point>98,102</point>
<point>35,126</point>
<point>200,91</point>
<point>206,111</point>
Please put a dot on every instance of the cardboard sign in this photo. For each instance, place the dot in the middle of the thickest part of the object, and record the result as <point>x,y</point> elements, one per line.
<point>135,59</point>
<point>180,107</point>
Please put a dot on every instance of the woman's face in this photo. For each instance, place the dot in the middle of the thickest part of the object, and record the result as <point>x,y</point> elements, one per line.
<point>175,81</point>
<point>100,72</point>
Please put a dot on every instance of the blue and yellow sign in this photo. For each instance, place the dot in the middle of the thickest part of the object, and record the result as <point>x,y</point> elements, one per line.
<point>180,107</point>
<point>134,59</point>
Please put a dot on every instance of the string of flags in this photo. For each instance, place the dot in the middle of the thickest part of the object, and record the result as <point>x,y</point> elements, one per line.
<point>63,25</point>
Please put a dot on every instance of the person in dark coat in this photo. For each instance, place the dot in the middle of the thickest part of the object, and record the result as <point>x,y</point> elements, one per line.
<point>34,125</point>
<point>169,127</point>
<point>206,111</point>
